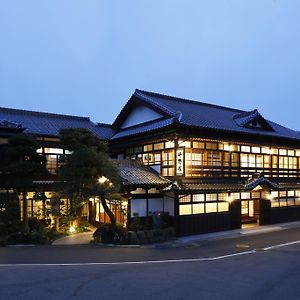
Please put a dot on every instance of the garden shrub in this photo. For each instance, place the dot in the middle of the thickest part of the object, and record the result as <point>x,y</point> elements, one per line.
<point>106,234</point>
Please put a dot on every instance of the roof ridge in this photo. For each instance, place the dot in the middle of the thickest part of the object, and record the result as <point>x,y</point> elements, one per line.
<point>247,113</point>
<point>38,113</point>
<point>165,107</point>
<point>98,124</point>
<point>189,101</point>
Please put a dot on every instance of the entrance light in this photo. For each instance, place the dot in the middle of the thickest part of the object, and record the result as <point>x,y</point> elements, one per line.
<point>72,229</point>
<point>102,179</point>
<point>229,198</point>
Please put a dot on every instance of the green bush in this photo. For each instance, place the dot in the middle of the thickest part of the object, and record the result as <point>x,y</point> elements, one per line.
<point>106,234</point>
<point>35,224</point>
<point>33,237</point>
<point>141,223</point>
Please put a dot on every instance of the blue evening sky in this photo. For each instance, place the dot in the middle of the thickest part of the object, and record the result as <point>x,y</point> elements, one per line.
<point>86,57</point>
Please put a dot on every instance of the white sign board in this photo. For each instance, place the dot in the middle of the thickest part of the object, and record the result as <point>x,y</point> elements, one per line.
<point>179,161</point>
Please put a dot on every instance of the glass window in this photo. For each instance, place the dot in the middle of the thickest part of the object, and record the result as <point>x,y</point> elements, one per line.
<point>235,196</point>
<point>148,147</point>
<point>265,150</point>
<point>198,197</point>
<point>201,145</point>
<point>211,197</point>
<point>245,196</point>
<point>212,146</point>
<point>282,152</point>
<point>184,199</point>
<point>53,150</point>
<point>222,196</point>
<point>255,149</point>
<point>186,144</point>
<point>245,149</point>
<point>198,208</point>
<point>185,209</point>
<point>170,144</point>
<point>211,207</point>
<point>147,158</point>
<point>158,146</point>
<point>275,203</point>
<point>223,206</point>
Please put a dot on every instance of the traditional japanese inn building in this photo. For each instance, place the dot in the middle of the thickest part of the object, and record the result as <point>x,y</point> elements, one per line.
<point>209,167</point>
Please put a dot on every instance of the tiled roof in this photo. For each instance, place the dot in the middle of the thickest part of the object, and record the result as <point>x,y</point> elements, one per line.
<point>203,116</point>
<point>40,123</point>
<point>146,127</point>
<point>224,187</point>
<point>260,181</point>
<point>134,173</point>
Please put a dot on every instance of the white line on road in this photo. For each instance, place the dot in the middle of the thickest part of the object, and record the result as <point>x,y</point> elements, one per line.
<point>281,245</point>
<point>184,260</point>
<point>133,262</point>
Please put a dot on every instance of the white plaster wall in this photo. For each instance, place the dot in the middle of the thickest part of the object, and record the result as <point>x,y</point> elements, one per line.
<point>169,205</point>
<point>156,168</point>
<point>138,206</point>
<point>155,204</point>
<point>140,114</point>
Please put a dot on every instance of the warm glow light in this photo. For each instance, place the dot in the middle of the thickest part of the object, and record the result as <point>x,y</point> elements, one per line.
<point>230,199</point>
<point>72,229</point>
<point>270,197</point>
<point>102,179</point>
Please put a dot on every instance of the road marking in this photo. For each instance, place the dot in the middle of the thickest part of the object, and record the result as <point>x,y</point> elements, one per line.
<point>281,245</point>
<point>184,260</point>
<point>133,262</point>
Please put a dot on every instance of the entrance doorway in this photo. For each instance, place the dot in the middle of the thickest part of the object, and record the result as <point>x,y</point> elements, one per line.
<point>250,212</point>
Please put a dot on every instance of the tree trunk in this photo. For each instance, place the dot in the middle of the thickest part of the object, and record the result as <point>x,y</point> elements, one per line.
<point>112,217</point>
<point>25,212</point>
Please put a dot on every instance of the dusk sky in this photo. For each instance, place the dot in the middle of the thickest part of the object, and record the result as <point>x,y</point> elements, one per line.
<point>87,57</point>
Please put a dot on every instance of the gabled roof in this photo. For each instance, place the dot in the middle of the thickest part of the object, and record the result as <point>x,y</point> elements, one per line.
<point>200,115</point>
<point>260,180</point>
<point>252,119</point>
<point>48,124</point>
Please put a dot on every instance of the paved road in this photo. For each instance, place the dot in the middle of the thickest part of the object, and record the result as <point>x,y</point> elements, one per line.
<point>257,274</point>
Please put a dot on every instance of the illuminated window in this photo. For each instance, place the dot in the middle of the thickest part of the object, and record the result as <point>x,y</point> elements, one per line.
<point>211,207</point>
<point>282,152</point>
<point>185,209</point>
<point>212,146</point>
<point>170,144</point>
<point>148,147</point>
<point>255,149</point>
<point>185,199</point>
<point>201,145</point>
<point>198,208</point>
<point>198,198</point>
<point>53,150</point>
<point>186,144</point>
<point>245,149</point>
<point>158,146</point>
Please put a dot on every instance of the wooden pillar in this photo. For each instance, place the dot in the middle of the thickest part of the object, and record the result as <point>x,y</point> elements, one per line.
<point>235,214</point>
<point>265,208</point>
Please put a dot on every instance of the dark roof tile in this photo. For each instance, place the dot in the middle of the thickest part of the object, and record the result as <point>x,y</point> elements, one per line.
<point>40,123</point>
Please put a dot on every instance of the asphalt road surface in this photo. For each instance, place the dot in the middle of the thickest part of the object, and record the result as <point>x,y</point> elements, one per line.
<point>265,266</point>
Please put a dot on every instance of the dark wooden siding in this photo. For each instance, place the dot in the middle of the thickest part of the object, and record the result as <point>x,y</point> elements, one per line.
<point>204,223</point>
<point>284,214</point>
